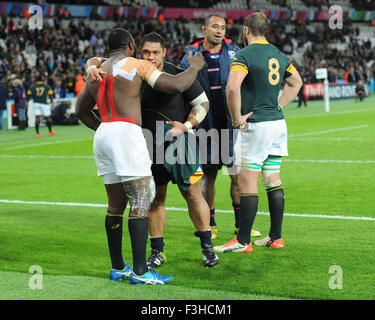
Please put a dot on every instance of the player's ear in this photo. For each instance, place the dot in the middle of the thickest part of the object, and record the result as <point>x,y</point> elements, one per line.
<point>204,28</point>
<point>132,48</point>
<point>247,30</point>
<point>164,51</point>
<point>131,45</point>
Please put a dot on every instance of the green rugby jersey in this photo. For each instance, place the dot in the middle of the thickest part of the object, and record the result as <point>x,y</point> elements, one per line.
<point>265,68</point>
<point>39,92</point>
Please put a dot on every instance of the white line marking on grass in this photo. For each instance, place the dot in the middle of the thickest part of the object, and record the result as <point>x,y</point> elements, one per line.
<point>329,161</point>
<point>326,131</point>
<point>97,205</point>
<point>332,139</point>
<point>29,156</point>
<point>73,204</point>
<point>45,143</point>
<point>326,114</point>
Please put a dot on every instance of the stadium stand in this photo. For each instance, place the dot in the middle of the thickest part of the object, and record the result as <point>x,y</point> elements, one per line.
<point>135,3</point>
<point>314,5</point>
<point>58,52</point>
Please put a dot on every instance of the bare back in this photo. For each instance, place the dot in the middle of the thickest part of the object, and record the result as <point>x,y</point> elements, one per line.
<point>118,94</point>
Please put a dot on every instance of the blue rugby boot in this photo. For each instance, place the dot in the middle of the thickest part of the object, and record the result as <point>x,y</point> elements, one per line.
<point>116,275</point>
<point>150,277</point>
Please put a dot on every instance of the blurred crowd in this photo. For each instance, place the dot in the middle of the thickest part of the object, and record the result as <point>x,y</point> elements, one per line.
<point>347,57</point>
<point>58,53</point>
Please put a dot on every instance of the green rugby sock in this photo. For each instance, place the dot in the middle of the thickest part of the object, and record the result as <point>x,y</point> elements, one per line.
<point>248,211</point>
<point>276,204</point>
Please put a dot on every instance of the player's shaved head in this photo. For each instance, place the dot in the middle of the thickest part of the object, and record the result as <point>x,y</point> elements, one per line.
<point>209,17</point>
<point>119,38</point>
<point>258,24</point>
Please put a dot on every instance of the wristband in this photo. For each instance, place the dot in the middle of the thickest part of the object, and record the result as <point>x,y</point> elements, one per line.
<point>89,68</point>
<point>188,125</point>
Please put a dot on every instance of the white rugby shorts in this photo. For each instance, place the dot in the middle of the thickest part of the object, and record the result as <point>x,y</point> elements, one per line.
<point>120,152</point>
<point>259,140</point>
<point>42,109</point>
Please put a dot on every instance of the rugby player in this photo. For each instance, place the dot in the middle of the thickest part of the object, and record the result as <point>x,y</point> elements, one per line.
<point>255,79</point>
<point>182,111</point>
<point>120,149</point>
<point>39,92</point>
<point>218,52</point>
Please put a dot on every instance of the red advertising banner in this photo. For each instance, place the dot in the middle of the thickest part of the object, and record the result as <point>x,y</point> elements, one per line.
<point>313,91</point>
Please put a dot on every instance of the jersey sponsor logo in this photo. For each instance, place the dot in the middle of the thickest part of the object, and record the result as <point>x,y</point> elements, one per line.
<point>231,54</point>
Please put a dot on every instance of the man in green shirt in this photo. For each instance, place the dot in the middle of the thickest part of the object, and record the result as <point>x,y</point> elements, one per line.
<point>39,92</point>
<point>253,87</point>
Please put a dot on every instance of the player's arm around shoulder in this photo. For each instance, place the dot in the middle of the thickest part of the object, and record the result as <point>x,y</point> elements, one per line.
<point>182,81</point>
<point>93,69</point>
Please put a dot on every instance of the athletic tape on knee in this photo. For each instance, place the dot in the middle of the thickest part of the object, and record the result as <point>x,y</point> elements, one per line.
<point>141,193</point>
<point>251,166</point>
<point>270,166</point>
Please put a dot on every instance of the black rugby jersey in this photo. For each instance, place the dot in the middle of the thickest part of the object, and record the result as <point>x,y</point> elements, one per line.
<point>160,106</point>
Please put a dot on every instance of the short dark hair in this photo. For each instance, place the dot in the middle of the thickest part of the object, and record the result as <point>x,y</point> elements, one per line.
<point>153,37</point>
<point>258,24</point>
<point>118,38</point>
<point>208,18</point>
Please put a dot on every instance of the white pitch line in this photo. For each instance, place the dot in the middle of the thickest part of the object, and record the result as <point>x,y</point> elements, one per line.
<point>326,131</point>
<point>331,139</point>
<point>326,114</point>
<point>45,143</point>
<point>329,161</point>
<point>97,205</point>
<point>30,156</point>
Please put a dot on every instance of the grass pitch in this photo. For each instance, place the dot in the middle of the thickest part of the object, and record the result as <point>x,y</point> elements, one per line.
<point>52,211</point>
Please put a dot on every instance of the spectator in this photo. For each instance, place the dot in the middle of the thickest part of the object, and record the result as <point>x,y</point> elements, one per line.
<point>19,96</point>
<point>58,89</point>
<point>79,85</point>
<point>3,99</point>
<point>353,75</point>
